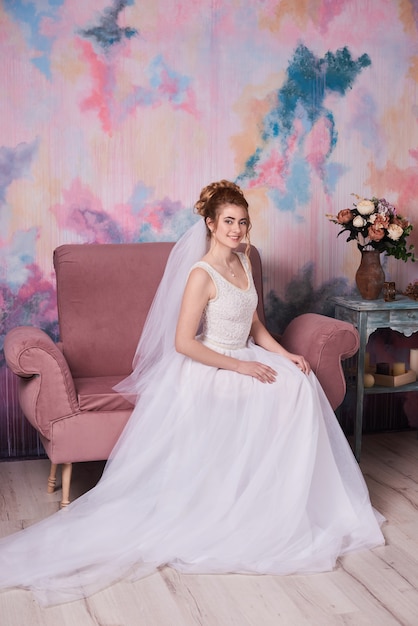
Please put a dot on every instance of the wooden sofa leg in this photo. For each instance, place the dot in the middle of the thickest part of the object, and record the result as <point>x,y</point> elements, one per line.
<point>52,478</point>
<point>66,470</point>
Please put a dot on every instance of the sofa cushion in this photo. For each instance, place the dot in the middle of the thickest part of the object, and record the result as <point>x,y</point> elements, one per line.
<point>96,393</point>
<point>104,292</point>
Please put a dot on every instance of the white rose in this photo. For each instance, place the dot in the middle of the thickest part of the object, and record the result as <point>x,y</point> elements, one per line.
<point>359,221</point>
<point>394,231</point>
<point>365,207</point>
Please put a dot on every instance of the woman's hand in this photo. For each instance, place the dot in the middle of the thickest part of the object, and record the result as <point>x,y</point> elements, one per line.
<point>261,372</point>
<point>263,338</point>
<point>301,362</point>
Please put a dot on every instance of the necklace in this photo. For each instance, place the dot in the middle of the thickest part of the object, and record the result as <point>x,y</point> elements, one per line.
<point>226,266</point>
<point>230,270</point>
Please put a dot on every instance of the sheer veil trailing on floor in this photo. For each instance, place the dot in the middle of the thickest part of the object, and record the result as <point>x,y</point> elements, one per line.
<point>215,472</point>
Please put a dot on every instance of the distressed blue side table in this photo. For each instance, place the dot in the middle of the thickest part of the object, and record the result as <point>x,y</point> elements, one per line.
<point>367,316</point>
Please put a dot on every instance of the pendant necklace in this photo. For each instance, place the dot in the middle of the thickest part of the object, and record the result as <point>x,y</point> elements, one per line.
<point>230,271</point>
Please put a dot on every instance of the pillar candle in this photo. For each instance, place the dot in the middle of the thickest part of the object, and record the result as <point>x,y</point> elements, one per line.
<point>383,368</point>
<point>413,360</point>
<point>398,369</point>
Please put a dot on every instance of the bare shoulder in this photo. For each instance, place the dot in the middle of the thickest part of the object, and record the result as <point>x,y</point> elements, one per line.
<point>199,274</point>
<point>200,281</point>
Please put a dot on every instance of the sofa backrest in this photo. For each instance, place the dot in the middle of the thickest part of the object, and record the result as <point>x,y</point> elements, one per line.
<point>104,292</point>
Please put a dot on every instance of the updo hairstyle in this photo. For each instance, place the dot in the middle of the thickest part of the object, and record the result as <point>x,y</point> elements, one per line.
<point>214,196</point>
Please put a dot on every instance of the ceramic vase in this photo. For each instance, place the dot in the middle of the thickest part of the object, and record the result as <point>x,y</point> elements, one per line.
<point>370,275</point>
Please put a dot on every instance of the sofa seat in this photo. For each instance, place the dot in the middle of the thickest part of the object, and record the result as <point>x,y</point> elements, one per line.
<point>95,393</point>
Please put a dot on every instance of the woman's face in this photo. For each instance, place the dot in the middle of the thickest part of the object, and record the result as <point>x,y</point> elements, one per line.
<point>231,226</point>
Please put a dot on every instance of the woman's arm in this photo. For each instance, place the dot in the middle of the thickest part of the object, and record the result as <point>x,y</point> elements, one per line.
<point>263,338</point>
<point>199,290</point>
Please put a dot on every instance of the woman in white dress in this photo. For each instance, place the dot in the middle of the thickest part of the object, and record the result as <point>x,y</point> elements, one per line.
<point>232,461</point>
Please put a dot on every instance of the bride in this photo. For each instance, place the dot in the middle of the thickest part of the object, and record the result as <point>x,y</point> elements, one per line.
<point>232,460</point>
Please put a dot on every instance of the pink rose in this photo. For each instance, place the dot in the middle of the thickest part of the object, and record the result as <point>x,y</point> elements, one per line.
<point>400,221</point>
<point>345,216</point>
<point>376,234</point>
<point>381,221</point>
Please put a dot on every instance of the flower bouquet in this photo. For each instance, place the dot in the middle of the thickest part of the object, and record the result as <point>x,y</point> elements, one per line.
<point>376,225</point>
<point>412,290</point>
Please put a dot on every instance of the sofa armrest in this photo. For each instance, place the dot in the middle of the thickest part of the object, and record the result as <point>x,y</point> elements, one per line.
<point>46,388</point>
<point>324,342</point>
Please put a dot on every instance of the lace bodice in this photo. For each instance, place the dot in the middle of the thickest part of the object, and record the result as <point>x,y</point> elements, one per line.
<point>227,318</point>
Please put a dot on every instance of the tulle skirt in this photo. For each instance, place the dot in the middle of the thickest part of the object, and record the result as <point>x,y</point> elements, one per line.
<point>215,472</point>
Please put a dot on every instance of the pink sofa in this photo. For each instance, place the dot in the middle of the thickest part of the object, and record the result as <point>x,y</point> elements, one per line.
<point>104,292</point>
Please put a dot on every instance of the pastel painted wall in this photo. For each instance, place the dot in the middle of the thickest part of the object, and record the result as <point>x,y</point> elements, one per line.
<point>114,114</point>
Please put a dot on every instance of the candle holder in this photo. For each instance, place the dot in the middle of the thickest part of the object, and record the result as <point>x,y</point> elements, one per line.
<point>389,291</point>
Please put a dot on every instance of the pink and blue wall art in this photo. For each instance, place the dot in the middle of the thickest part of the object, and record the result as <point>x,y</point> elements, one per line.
<point>115,113</point>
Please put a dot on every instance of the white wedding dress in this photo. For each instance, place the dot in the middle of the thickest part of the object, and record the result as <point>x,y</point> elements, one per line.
<point>215,472</point>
